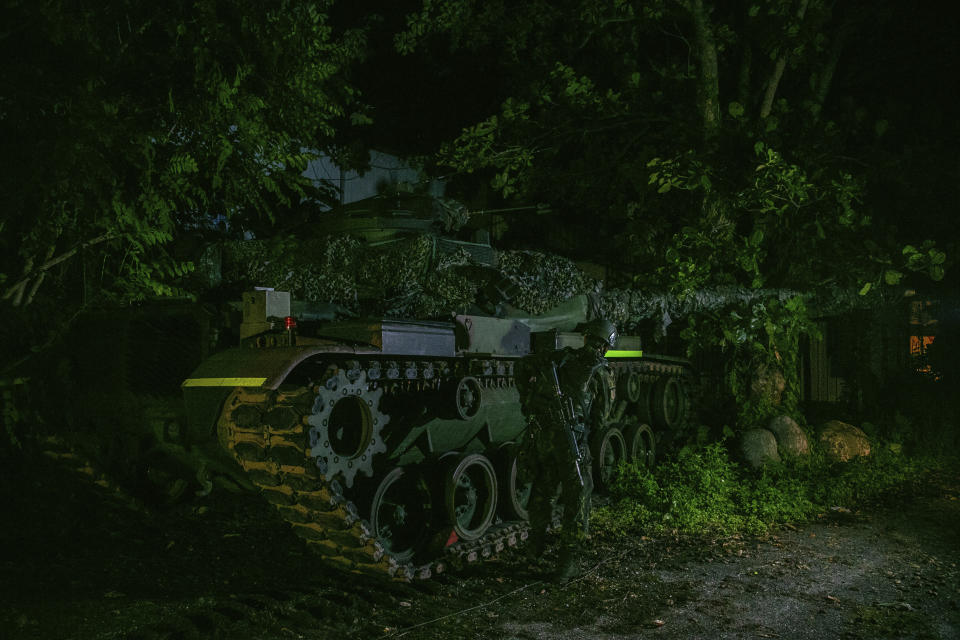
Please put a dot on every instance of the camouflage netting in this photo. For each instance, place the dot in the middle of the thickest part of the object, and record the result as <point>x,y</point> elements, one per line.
<point>394,279</point>
<point>626,308</point>
<point>542,281</point>
<point>408,278</point>
<point>318,271</point>
<point>405,278</point>
<point>449,214</point>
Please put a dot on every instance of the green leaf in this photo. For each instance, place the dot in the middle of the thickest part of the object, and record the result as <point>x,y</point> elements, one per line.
<point>664,188</point>
<point>736,109</point>
<point>866,288</point>
<point>357,118</point>
<point>892,277</point>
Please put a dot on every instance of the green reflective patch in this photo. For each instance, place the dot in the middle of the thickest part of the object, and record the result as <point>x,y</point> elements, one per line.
<point>224,382</point>
<point>618,353</point>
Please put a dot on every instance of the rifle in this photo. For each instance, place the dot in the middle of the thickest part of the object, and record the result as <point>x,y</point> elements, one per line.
<point>568,419</point>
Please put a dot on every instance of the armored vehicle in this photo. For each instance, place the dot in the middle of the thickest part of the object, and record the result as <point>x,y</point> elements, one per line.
<point>390,441</point>
<point>391,446</point>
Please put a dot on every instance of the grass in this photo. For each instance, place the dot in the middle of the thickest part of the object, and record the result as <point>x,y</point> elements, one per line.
<point>705,491</point>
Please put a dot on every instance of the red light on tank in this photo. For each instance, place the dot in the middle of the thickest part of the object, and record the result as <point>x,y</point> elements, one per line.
<point>289,323</point>
<point>453,538</point>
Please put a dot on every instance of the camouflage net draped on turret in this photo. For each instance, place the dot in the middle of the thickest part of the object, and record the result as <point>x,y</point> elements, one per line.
<point>412,278</point>
<point>541,281</point>
<point>628,307</point>
<point>400,278</point>
<point>405,278</point>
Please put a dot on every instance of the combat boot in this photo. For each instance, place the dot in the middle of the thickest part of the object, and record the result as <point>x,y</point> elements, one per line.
<point>568,566</point>
<point>536,545</point>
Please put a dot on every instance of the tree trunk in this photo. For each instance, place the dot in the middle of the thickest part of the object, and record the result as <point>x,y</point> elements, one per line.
<point>708,83</point>
<point>777,73</point>
<point>743,80</point>
<point>826,77</point>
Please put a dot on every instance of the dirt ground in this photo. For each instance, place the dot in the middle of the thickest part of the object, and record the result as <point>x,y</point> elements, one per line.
<point>77,562</point>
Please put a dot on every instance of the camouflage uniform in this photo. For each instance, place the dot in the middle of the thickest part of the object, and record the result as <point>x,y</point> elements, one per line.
<point>549,457</point>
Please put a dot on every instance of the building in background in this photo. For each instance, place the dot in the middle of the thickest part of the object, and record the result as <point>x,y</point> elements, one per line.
<point>385,171</point>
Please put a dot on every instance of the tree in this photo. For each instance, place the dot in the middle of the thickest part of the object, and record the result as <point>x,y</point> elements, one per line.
<point>128,127</point>
<point>124,124</point>
<point>691,145</point>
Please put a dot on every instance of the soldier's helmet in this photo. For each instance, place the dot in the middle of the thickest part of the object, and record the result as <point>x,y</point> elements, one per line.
<point>600,332</point>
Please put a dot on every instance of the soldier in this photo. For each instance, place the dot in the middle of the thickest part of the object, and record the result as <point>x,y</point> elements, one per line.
<point>556,399</point>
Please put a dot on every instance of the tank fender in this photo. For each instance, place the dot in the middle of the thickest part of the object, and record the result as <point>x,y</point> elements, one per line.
<point>483,334</point>
<point>205,391</point>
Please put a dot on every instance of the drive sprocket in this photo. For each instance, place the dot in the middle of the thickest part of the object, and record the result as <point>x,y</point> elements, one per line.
<point>346,426</point>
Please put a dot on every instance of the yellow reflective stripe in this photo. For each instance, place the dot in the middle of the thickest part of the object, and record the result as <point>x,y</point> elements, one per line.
<point>617,353</point>
<point>223,382</point>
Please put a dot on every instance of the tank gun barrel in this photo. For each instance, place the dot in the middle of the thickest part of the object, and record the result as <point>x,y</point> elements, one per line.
<point>541,209</point>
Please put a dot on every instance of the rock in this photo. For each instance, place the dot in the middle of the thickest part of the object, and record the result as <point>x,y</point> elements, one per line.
<point>759,447</point>
<point>768,384</point>
<point>842,441</point>
<point>791,439</point>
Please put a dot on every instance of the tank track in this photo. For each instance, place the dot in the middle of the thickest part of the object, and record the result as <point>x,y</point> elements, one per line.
<point>266,432</point>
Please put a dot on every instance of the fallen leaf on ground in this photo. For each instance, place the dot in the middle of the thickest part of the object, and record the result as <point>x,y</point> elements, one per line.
<point>902,606</point>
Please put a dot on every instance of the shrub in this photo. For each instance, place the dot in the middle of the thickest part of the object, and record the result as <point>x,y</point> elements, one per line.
<point>704,492</point>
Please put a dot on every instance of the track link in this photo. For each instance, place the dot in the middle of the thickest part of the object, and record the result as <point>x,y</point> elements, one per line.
<point>267,435</point>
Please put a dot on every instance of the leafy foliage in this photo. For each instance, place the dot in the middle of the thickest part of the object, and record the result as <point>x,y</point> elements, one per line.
<point>691,146</point>
<point>126,125</point>
<point>705,492</point>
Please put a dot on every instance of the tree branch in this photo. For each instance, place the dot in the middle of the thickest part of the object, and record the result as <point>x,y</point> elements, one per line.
<point>603,23</point>
<point>17,290</point>
<point>778,68</point>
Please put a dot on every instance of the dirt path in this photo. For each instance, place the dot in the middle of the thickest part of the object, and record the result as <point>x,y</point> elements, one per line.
<point>76,563</point>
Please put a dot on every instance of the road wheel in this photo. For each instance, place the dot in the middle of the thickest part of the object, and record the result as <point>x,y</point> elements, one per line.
<point>470,495</point>
<point>641,445</point>
<point>609,449</point>
<point>399,511</point>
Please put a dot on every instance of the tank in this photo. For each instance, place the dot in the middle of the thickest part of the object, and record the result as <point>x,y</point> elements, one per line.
<point>391,444</point>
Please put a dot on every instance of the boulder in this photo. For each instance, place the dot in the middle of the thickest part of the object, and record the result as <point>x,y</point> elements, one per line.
<point>791,439</point>
<point>768,384</point>
<point>842,441</point>
<point>759,447</point>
